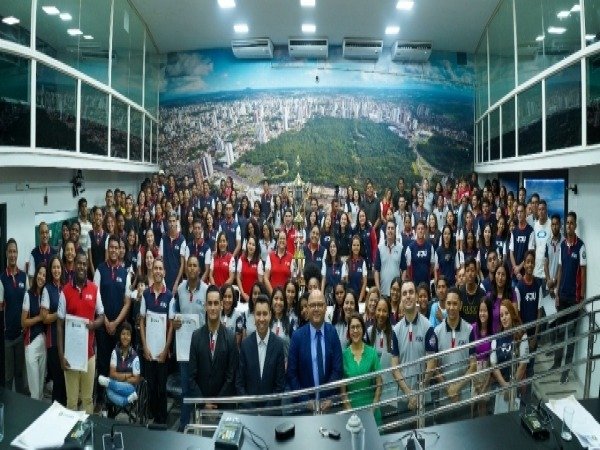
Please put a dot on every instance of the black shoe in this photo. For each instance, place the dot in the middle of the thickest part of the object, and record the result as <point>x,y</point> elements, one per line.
<point>564,378</point>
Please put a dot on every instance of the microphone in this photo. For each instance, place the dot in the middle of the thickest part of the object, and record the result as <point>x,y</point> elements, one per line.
<point>114,441</point>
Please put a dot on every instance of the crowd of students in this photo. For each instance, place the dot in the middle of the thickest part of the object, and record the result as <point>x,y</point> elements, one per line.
<point>396,277</point>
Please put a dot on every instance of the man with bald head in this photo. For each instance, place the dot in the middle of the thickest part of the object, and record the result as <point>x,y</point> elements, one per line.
<point>315,355</point>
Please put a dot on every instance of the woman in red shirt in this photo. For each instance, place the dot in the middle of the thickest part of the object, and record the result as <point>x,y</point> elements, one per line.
<point>279,265</point>
<point>222,266</point>
<point>249,269</point>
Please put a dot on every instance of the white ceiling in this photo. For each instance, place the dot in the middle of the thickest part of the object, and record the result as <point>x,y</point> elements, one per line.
<point>453,25</point>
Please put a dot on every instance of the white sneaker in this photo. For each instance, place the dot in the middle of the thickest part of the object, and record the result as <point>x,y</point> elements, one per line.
<point>132,398</point>
<point>103,381</point>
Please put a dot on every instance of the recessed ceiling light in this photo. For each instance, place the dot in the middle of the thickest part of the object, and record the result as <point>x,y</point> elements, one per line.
<point>590,37</point>
<point>576,8</point>
<point>307,3</point>
<point>240,28</point>
<point>392,29</point>
<point>227,4</point>
<point>405,4</point>
<point>563,14</point>
<point>540,38</point>
<point>88,37</point>
<point>74,31</point>
<point>65,16</point>
<point>556,30</point>
<point>51,10</point>
<point>10,20</point>
<point>309,28</point>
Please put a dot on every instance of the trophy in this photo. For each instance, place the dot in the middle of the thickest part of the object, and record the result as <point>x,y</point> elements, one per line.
<point>298,189</point>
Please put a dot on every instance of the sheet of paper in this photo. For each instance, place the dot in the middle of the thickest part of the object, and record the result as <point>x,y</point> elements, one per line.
<point>183,336</point>
<point>76,342</point>
<point>549,305</point>
<point>50,428</point>
<point>156,333</point>
<point>329,314</point>
<point>585,427</point>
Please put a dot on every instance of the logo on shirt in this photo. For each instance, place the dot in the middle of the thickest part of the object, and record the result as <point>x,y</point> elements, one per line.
<point>119,280</point>
<point>21,285</point>
<point>541,234</point>
<point>521,239</point>
<point>422,254</point>
<point>530,297</point>
<point>574,255</point>
<point>88,296</point>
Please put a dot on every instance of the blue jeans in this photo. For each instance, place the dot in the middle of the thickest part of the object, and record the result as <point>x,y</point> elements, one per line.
<point>118,392</point>
<point>186,410</point>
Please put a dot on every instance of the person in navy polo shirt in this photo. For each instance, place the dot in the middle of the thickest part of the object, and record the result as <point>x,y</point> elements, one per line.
<point>111,277</point>
<point>420,257</point>
<point>42,253</point>
<point>80,298</point>
<point>13,284</point>
<point>313,253</point>
<point>156,298</point>
<point>232,230</point>
<point>200,248</point>
<point>571,287</point>
<point>173,251</point>
<point>521,240</point>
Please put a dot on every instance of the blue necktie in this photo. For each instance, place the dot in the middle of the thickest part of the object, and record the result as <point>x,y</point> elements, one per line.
<point>320,369</point>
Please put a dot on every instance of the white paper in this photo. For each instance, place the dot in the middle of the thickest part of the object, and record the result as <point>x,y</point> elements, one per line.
<point>329,314</point>
<point>156,333</point>
<point>50,429</point>
<point>242,308</point>
<point>549,305</point>
<point>584,425</point>
<point>76,342</point>
<point>189,323</point>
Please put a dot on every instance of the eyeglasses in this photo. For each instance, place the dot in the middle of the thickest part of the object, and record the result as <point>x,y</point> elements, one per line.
<point>355,327</point>
<point>315,305</point>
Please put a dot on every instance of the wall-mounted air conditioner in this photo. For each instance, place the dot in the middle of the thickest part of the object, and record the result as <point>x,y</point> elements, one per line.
<point>357,48</point>
<point>260,48</point>
<point>308,48</point>
<point>410,51</point>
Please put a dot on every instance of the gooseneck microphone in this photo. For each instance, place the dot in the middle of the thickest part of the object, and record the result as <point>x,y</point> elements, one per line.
<point>114,440</point>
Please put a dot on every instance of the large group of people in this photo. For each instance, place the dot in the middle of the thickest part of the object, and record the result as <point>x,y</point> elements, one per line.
<point>368,283</point>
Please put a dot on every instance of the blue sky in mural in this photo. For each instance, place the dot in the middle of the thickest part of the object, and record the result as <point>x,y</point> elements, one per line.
<point>210,71</point>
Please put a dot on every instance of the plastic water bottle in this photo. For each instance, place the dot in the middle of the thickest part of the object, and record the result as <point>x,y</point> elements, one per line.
<point>357,432</point>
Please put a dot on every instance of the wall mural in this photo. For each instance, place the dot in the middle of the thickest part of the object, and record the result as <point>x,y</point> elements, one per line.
<point>346,120</point>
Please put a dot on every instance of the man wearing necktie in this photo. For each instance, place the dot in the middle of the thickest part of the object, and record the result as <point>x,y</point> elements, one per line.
<point>315,355</point>
<point>261,368</point>
<point>213,354</point>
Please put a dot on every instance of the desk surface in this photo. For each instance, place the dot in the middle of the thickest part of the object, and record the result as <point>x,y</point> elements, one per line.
<point>497,432</point>
<point>307,434</point>
<point>20,411</point>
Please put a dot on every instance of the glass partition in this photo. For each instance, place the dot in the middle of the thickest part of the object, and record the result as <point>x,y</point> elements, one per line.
<point>151,79</point>
<point>118,129</point>
<point>502,55</point>
<point>56,109</point>
<point>15,25</point>
<point>135,135</point>
<point>508,129</point>
<point>593,99</point>
<point>484,138</point>
<point>15,101</point>
<point>481,77</point>
<point>94,121</point>
<point>530,120</point>
<point>563,108</point>
<point>592,21</point>
<point>76,33</point>
<point>147,133</point>
<point>128,48</point>
<point>531,38</point>
<point>495,135</point>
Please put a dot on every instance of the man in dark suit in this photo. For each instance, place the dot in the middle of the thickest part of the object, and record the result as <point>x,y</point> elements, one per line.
<point>262,358</point>
<point>315,355</point>
<point>213,354</point>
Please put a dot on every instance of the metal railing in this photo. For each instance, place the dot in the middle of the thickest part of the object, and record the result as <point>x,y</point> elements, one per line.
<point>431,399</point>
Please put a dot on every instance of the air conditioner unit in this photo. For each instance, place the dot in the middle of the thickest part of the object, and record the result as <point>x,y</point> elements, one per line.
<point>260,48</point>
<point>409,51</point>
<point>308,48</point>
<point>89,51</point>
<point>356,48</point>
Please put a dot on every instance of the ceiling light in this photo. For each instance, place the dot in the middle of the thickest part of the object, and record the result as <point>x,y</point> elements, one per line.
<point>556,30</point>
<point>51,10</point>
<point>309,28</point>
<point>563,14</point>
<point>227,4</point>
<point>240,28</point>
<point>65,16</point>
<point>88,37</point>
<point>392,29</point>
<point>74,31</point>
<point>590,37</point>
<point>10,20</point>
<point>576,8</point>
<point>405,5</point>
<point>307,3</point>
<point>540,38</point>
